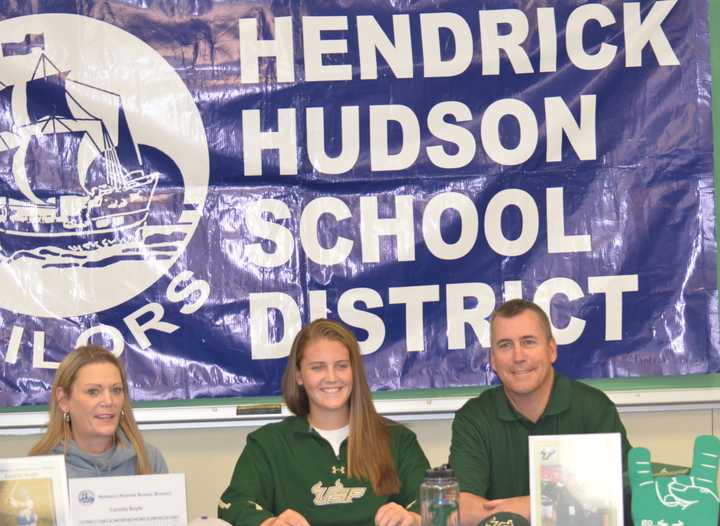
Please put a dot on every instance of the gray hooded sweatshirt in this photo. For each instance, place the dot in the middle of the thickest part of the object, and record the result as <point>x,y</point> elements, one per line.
<point>117,461</point>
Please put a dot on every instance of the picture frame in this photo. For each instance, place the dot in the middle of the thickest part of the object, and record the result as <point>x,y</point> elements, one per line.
<point>33,491</point>
<point>576,480</point>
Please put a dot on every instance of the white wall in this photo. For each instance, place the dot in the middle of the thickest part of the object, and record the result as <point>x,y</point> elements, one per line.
<point>207,456</point>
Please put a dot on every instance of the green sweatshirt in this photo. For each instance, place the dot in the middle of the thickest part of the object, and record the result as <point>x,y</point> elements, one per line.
<point>489,448</point>
<point>288,465</point>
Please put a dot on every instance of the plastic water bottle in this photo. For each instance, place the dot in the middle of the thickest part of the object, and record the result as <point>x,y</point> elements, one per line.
<point>439,497</point>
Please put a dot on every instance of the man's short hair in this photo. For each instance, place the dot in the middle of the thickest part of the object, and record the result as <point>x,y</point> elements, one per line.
<point>513,308</point>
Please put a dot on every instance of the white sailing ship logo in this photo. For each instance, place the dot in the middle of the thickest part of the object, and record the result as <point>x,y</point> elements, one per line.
<point>45,135</point>
<point>104,165</point>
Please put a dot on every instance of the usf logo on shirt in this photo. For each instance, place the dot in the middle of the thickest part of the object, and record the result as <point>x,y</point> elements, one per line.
<point>336,494</point>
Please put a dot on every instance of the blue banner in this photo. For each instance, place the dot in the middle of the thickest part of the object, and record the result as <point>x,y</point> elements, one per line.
<point>187,183</point>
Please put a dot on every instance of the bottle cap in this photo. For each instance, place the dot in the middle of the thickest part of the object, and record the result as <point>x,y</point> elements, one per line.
<point>441,472</point>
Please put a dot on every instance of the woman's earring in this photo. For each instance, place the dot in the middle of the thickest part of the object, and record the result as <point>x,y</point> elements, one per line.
<point>66,417</point>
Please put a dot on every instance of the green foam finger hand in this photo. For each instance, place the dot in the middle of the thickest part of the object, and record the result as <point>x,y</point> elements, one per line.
<point>676,501</point>
<point>640,472</point>
<point>706,457</point>
<point>645,504</point>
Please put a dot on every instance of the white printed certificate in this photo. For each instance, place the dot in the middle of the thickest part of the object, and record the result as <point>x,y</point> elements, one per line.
<point>137,500</point>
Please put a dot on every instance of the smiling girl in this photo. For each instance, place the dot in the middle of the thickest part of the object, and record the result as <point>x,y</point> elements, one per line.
<point>91,421</point>
<point>336,462</point>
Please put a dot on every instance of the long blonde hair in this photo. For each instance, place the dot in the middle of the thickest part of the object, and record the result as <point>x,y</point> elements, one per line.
<point>59,429</point>
<point>369,456</point>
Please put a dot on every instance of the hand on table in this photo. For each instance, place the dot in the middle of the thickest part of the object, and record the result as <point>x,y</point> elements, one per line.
<point>392,514</point>
<point>517,505</point>
<point>287,518</point>
<point>676,501</point>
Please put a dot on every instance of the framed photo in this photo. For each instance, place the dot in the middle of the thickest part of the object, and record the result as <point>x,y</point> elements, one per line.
<point>33,491</point>
<point>576,480</point>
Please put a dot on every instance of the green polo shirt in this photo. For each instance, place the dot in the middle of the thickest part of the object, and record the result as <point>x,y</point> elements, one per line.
<point>489,449</point>
<point>289,465</point>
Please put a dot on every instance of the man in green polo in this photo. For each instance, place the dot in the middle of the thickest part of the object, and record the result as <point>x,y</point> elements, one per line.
<point>489,449</point>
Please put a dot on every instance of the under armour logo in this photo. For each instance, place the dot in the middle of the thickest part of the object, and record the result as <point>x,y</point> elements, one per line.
<point>335,470</point>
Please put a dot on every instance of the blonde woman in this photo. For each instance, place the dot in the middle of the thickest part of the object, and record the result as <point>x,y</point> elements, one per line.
<point>336,462</point>
<point>91,421</point>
